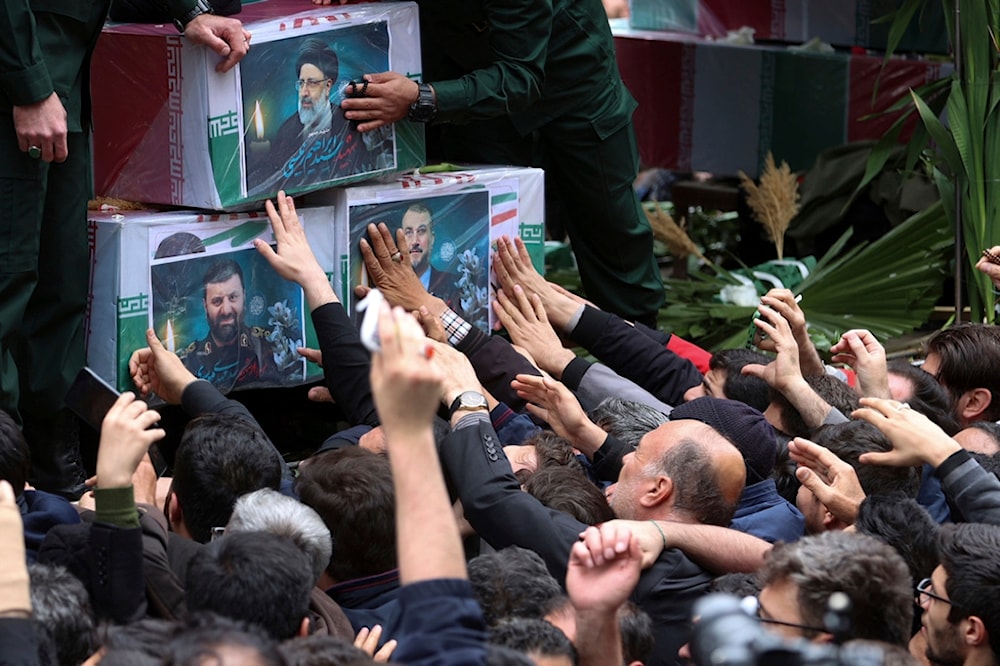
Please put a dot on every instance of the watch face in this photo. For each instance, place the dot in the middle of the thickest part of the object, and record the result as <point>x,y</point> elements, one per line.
<point>471,399</point>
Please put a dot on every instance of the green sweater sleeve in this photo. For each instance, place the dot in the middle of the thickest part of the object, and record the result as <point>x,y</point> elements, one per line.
<point>116,506</point>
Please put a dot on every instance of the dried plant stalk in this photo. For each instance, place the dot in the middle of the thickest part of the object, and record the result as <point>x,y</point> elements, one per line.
<point>775,201</point>
<point>120,204</point>
<point>671,233</point>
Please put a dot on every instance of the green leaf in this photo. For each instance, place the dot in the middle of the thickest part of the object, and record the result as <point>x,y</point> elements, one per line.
<point>938,133</point>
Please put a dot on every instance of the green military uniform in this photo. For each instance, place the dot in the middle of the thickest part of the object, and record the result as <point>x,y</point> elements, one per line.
<point>247,361</point>
<point>43,228</point>
<point>536,82</point>
<point>44,263</point>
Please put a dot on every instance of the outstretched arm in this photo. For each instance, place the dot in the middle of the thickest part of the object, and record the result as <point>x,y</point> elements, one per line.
<point>550,400</point>
<point>344,359</point>
<point>407,387</point>
<point>719,550</point>
<point>438,615</point>
<point>784,373</point>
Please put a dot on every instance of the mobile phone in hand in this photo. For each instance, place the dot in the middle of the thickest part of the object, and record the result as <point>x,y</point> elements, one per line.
<point>90,398</point>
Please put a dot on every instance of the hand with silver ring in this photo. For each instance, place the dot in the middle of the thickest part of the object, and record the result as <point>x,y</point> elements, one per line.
<point>901,406</point>
<point>34,152</point>
<point>397,256</point>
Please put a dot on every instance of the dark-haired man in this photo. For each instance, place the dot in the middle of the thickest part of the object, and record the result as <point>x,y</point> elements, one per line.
<point>418,229</point>
<point>232,354</point>
<point>799,578</point>
<point>964,359</point>
<point>961,599</point>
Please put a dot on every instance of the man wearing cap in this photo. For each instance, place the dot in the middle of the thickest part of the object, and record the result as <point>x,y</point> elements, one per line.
<point>761,512</point>
<point>44,187</point>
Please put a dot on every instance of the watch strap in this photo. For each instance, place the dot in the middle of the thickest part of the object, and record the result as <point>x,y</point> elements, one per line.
<point>425,108</point>
<point>200,7</point>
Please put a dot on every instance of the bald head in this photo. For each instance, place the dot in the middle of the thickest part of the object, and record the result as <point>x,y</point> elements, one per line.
<point>703,472</point>
<point>708,474</point>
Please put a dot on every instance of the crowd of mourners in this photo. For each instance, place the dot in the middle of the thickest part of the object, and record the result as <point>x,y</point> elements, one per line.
<point>502,501</point>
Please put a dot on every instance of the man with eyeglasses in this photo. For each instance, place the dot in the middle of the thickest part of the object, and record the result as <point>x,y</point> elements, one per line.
<point>316,143</point>
<point>961,599</point>
<point>799,578</point>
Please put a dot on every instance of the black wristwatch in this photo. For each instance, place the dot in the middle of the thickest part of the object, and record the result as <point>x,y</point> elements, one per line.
<point>200,7</point>
<point>467,401</point>
<point>425,108</point>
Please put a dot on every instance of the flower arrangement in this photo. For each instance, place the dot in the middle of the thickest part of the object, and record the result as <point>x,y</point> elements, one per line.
<point>474,299</point>
<point>285,349</point>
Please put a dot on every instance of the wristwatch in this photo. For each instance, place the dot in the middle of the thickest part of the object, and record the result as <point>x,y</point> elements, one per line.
<point>200,7</point>
<point>425,108</point>
<point>467,401</point>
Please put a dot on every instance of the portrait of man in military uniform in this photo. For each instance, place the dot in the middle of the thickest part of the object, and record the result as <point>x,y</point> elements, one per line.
<point>246,338</point>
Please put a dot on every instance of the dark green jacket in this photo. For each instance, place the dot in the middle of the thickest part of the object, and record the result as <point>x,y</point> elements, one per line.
<point>534,60</point>
<point>46,47</point>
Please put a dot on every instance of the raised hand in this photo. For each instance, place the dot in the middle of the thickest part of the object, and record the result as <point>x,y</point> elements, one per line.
<point>154,369</point>
<point>528,326</point>
<point>126,434</point>
<point>862,351</point>
<point>406,385</point>
<point>294,259</point>
<point>392,272</point>
<point>551,401</point>
<point>512,266</point>
<point>604,567</point>
<point>915,438</point>
<point>783,302</point>
<point>832,480</point>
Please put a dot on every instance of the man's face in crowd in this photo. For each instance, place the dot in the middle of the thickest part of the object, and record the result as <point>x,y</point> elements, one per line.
<point>314,92</point>
<point>944,642</point>
<point>419,239</point>
<point>224,309</point>
<point>778,609</point>
<point>640,470</point>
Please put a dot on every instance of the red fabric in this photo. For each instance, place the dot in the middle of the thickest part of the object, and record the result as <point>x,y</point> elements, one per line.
<point>690,351</point>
